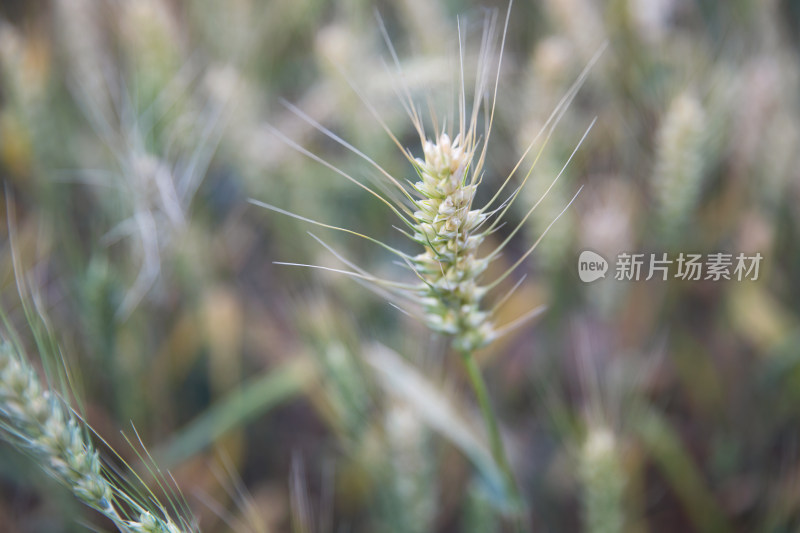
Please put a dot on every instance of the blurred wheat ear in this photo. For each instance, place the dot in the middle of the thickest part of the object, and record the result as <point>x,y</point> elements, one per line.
<point>603,482</point>
<point>40,422</point>
<point>37,419</point>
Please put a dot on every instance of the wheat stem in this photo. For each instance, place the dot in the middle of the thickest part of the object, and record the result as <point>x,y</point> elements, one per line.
<point>493,430</point>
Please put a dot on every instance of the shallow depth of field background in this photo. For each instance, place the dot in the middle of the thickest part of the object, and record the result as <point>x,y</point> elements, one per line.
<point>133,133</point>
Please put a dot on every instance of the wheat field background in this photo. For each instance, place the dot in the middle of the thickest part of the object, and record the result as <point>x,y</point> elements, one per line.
<point>138,138</point>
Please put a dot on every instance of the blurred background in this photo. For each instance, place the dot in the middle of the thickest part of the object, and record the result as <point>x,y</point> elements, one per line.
<point>132,135</point>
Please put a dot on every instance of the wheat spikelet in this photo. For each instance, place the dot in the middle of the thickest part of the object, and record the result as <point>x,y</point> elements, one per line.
<point>39,422</point>
<point>603,482</point>
<point>681,162</point>
<point>447,225</point>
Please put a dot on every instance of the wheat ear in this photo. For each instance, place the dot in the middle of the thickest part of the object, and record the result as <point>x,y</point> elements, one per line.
<point>602,477</point>
<point>437,213</point>
<point>41,423</point>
